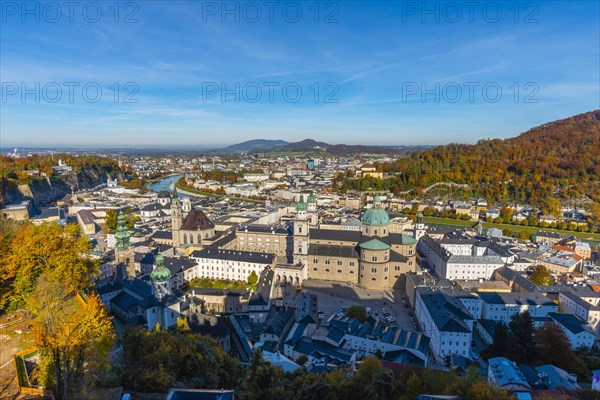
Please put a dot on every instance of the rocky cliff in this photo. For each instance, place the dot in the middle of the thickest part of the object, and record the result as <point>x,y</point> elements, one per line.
<point>45,191</point>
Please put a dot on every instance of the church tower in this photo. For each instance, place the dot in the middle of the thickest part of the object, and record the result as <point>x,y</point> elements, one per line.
<point>161,278</point>
<point>186,206</point>
<point>420,228</point>
<point>313,217</point>
<point>301,232</point>
<point>123,249</point>
<point>176,217</point>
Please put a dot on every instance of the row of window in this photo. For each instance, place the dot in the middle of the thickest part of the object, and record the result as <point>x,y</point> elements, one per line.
<point>339,271</point>
<point>259,239</point>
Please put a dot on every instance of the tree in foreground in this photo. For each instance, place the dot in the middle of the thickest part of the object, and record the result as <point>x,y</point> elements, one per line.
<point>46,248</point>
<point>74,334</point>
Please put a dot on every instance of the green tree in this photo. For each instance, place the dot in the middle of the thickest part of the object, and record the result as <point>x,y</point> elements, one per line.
<point>358,312</point>
<point>541,276</point>
<point>498,346</point>
<point>252,279</point>
<point>520,341</point>
<point>262,380</point>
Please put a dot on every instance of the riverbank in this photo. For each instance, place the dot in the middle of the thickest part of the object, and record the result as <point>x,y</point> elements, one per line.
<point>198,193</point>
<point>159,178</point>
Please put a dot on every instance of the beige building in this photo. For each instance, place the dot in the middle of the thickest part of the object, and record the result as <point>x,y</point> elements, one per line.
<point>370,170</point>
<point>400,224</point>
<point>17,212</point>
<point>374,258</point>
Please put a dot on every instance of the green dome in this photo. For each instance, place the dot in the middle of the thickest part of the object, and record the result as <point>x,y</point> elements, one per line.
<point>311,198</point>
<point>160,273</point>
<point>376,216</point>
<point>301,205</point>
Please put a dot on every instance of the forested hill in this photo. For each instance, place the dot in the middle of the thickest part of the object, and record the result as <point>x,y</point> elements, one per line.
<point>559,159</point>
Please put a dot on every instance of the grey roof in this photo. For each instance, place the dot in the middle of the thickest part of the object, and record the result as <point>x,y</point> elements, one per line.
<point>234,255</point>
<point>448,313</point>
<point>155,207</point>
<point>571,322</point>
<point>335,235</point>
<point>276,321</point>
<point>47,212</point>
<point>318,349</point>
<point>168,235</point>
<point>506,373</point>
<point>178,264</point>
<point>332,251</point>
<point>86,216</point>
<point>518,298</point>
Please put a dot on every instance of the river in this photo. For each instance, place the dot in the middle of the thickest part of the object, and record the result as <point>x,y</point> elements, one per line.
<point>166,182</point>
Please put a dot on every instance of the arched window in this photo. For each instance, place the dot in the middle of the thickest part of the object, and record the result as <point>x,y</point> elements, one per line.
<point>184,238</point>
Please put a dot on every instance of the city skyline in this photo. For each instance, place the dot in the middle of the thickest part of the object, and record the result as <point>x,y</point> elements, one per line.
<point>398,73</point>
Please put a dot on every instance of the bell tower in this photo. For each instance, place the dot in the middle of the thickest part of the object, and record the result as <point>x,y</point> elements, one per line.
<point>313,216</point>
<point>420,228</point>
<point>176,217</point>
<point>123,249</point>
<point>301,226</point>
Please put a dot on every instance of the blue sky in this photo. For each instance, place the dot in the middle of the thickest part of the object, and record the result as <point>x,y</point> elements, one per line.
<point>387,72</point>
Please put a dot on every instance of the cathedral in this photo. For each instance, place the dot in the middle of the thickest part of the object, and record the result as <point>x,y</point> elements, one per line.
<point>189,226</point>
<point>372,258</point>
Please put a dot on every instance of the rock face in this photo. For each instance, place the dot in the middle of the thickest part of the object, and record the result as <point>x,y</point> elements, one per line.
<point>44,192</point>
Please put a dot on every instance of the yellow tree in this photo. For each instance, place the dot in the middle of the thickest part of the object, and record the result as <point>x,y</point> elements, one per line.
<point>47,248</point>
<point>74,334</point>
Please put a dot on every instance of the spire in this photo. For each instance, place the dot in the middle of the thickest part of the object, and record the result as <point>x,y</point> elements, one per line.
<point>301,205</point>
<point>175,194</point>
<point>377,201</point>
<point>311,198</point>
<point>420,218</point>
<point>122,234</point>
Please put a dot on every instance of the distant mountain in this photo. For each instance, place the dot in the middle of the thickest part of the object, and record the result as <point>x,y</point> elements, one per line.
<point>255,145</point>
<point>313,146</point>
<point>303,145</point>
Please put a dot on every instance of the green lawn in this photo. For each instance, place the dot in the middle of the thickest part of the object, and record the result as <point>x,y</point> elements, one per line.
<point>219,284</point>
<point>585,236</point>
